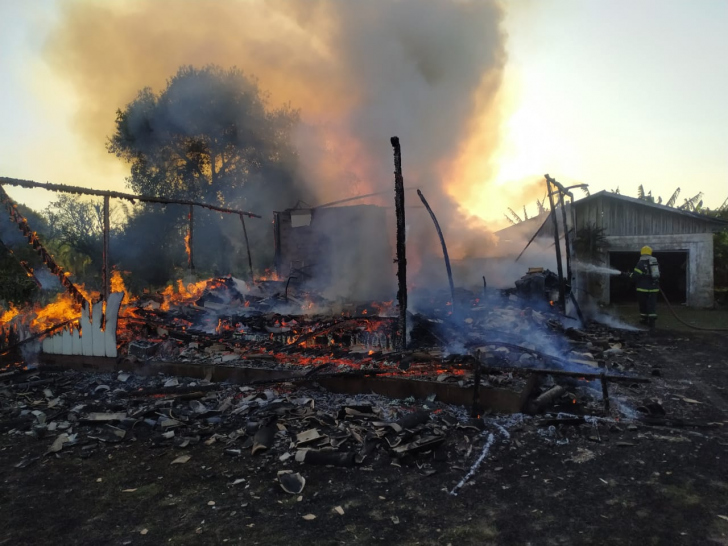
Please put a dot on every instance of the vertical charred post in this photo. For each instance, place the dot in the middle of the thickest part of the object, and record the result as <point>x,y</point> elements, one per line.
<point>190,236</point>
<point>475,410</point>
<point>605,392</point>
<point>557,244</point>
<point>401,248</point>
<point>105,275</point>
<point>247,247</point>
<point>568,248</point>
<point>444,251</point>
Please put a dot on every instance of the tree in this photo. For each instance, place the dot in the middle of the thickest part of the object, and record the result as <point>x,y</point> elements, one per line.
<point>208,136</point>
<point>15,285</point>
<point>74,233</point>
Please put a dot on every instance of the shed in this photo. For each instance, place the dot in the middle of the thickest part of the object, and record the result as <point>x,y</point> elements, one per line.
<point>682,242</point>
<point>340,251</point>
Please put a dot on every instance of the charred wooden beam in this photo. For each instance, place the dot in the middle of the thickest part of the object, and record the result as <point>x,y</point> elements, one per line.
<point>568,248</point>
<point>33,240</point>
<point>401,245</point>
<point>605,392</point>
<point>118,195</point>
<point>444,249</point>
<point>105,275</point>
<point>557,244</point>
<point>534,236</point>
<point>546,399</point>
<point>247,248</point>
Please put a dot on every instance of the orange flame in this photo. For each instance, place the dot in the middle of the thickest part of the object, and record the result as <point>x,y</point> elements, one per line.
<point>9,315</point>
<point>269,275</point>
<point>117,285</point>
<point>187,244</point>
<point>63,308</point>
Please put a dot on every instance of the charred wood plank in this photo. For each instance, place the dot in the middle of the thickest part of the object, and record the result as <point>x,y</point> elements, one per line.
<point>546,399</point>
<point>444,249</point>
<point>557,243</point>
<point>247,248</point>
<point>105,274</point>
<point>401,245</point>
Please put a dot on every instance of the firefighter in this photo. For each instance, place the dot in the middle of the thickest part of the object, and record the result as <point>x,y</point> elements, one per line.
<point>647,278</point>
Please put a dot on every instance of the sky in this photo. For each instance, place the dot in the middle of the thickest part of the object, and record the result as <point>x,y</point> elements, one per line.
<point>610,93</point>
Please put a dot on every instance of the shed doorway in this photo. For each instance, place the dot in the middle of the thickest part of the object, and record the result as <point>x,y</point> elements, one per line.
<point>673,275</point>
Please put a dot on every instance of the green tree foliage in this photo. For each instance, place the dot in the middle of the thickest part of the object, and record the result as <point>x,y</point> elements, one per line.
<point>590,243</point>
<point>15,285</point>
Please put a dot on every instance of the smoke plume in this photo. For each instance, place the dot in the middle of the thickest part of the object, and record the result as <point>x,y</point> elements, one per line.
<point>428,71</point>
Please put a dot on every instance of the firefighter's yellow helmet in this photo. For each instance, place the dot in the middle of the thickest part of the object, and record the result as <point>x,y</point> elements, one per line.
<point>646,250</point>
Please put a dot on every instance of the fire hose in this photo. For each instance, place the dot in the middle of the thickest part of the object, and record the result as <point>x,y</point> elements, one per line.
<point>669,306</point>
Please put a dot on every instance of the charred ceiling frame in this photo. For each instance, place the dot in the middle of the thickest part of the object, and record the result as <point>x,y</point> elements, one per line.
<point>107,196</point>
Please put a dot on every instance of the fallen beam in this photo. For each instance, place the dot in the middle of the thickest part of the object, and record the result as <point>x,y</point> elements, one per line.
<point>499,400</point>
<point>118,195</point>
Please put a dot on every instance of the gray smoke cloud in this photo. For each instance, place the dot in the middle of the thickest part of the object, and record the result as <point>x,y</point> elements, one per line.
<point>427,71</point>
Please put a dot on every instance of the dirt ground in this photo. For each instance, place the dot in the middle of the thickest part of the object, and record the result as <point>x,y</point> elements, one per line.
<point>605,482</point>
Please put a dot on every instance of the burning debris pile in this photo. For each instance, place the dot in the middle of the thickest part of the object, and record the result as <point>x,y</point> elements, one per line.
<point>495,353</point>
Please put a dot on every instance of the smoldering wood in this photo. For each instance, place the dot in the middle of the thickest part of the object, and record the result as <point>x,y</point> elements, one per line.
<point>444,249</point>
<point>247,249</point>
<point>401,248</point>
<point>119,195</point>
<point>546,399</point>
<point>33,240</point>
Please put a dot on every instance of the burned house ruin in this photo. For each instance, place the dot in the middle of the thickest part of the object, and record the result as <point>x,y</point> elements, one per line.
<point>341,250</point>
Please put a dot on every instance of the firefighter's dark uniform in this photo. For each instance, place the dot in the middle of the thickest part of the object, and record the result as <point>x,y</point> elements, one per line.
<point>647,278</point>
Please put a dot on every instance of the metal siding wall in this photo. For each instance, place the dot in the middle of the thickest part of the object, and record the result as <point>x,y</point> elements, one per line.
<point>630,219</point>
